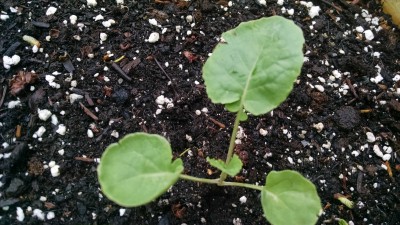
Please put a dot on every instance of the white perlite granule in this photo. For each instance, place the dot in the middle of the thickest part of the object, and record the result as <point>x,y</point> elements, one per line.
<point>154,37</point>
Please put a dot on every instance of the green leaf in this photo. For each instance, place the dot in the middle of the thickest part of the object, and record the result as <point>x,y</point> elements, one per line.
<point>243,116</point>
<point>342,222</point>
<point>232,168</point>
<point>138,169</point>
<point>256,65</point>
<point>290,199</point>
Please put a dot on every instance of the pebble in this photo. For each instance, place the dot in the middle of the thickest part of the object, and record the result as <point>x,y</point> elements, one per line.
<point>72,19</point>
<point>314,11</point>
<point>55,171</point>
<point>38,213</point>
<point>8,202</point>
<point>154,37</point>
<point>44,114</point>
<point>164,220</point>
<point>377,151</point>
<point>369,35</point>
<point>160,100</point>
<point>39,132</point>
<point>243,199</point>
<point>370,137</point>
<point>153,22</point>
<point>61,129</point>
<point>73,97</point>
<point>61,151</point>
<point>15,187</point>
<point>91,2</point>
<point>51,10</point>
<point>189,138</point>
<point>122,211</point>
<point>13,104</point>
<point>320,88</point>
<point>54,119</point>
<point>103,36</point>
<point>98,17</point>
<point>81,208</point>
<point>319,127</point>
<point>4,17</point>
<point>347,117</point>
<point>115,134</point>
<point>359,29</point>
<point>90,133</point>
<point>386,157</point>
<point>50,215</point>
<point>263,132</point>
<point>237,221</point>
<point>189,18</point>
<point>20,214</point>
<point>120,96</point>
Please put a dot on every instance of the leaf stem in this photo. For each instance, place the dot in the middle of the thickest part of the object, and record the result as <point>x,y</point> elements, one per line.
<point>220,183</point>
<point>223,175</point>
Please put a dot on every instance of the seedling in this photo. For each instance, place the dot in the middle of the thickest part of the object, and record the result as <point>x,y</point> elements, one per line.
<point>343,199</point>
<point>251,71</point>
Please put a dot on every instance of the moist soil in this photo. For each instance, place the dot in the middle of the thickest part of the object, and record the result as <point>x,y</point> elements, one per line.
<point>347,89</point>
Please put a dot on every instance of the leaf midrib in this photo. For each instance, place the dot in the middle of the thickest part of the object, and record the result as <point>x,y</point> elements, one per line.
<point>244,93</point>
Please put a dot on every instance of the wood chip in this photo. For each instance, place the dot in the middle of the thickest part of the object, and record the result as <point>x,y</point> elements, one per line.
<point>395,105</point>
<point>128,68</point>
<point>21,80</point>
<point>88,112</point>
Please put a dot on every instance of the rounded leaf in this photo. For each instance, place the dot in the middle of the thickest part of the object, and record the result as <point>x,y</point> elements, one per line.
<point>255,65</point>
<point>290,199</point>
<point>138,169</point>
<point>232,168</point>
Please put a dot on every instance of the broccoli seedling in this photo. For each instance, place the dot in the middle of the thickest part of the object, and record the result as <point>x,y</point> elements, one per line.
<point>252,70</point>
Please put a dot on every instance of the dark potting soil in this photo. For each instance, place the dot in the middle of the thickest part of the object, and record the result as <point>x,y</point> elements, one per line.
<point>343,109</point>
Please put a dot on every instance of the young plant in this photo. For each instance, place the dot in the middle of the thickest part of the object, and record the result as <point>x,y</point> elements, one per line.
<point>251,70</point>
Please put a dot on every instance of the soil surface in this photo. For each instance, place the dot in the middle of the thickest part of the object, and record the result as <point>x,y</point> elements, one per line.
<point>339,127</point>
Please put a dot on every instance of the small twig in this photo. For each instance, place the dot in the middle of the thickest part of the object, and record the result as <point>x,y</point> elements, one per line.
<point>89,99</point>
<point>186,150</point>
<point>334,6</point>
<point>366,110</point>
<point>221,125</point>
<point>166,74</point>
<point>88,112</point>
<point>120,71</point>
<point>162,69</point>
<point>351,101</point>
<point>40,24</point>
<point>389,169</point>
<point>3,95</point>
<point>18,131</point>
<point>352,89</point>
<point>100,137</point>
<point>84,159</point>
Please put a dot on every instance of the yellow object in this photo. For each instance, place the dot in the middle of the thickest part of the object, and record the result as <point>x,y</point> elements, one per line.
<point>392,7</point>
<point>31,40</point>
<point>119,59</point>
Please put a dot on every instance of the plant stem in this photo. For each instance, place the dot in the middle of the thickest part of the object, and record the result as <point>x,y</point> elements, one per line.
<point>223,175</point>
<point>218,182</point>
